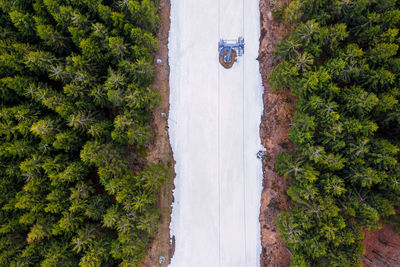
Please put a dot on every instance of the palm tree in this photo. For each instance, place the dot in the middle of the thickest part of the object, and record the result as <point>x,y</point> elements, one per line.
<point>288,49</point>
<point>117,46</point>
<point>81,120</point>
<point>141,201</point>
<point>288,165</point>
<point>44,127</point>
<point>31,90</point>
<point>86,236</point>
<point>99,95</point>
<point>115,80</point>
<point>304,61</point>
<point>306,31</point>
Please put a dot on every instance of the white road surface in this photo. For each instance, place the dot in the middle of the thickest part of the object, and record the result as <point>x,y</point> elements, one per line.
<point>214,129</point>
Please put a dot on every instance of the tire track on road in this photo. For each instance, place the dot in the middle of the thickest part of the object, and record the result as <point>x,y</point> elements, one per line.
<point>243,146</point>
<point>219,154</point>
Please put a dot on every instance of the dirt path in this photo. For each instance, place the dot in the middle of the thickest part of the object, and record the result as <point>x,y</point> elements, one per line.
<point>160,149</point>
<point>278,112</point>
<point>382,247</point>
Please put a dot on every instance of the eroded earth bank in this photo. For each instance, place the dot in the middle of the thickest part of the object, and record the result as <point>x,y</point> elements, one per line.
<point>160,149</point>
<point>275,123</point>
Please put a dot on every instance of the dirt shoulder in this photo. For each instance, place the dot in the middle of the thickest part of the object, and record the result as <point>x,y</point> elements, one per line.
<point>160,149</point>
<point>382,247</point>
<point>275,123</point>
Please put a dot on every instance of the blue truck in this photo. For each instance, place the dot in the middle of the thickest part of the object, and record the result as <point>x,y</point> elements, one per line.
<point>229,50</point>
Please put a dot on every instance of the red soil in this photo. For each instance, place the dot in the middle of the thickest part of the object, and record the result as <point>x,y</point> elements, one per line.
<point>382,248</point>
<point>160,149</point>
<point>278,112</point>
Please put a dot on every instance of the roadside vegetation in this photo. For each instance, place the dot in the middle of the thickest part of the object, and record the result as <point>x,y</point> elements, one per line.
<point>76,101</point>
<point>342,63</point>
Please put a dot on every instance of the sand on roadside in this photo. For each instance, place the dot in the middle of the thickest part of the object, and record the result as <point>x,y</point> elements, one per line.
<point>275,124</point>
<point>160,149</point>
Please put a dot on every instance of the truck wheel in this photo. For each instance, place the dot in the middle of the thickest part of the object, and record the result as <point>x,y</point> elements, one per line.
<point>228,65</point>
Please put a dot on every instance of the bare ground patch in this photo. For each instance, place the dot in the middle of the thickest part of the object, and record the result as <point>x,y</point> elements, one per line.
<point>275,123</point>
<point>382,247</point>
<point>160,149</point>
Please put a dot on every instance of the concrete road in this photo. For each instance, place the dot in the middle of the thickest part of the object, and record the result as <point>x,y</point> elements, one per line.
<point>214,129</point>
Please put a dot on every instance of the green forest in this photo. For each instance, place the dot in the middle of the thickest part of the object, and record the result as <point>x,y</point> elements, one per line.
<point>342,64</point>
<point>76,100</point>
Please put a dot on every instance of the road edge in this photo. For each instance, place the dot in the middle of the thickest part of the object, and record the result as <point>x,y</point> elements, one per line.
<point>275,123</point>
<point>160,148</point>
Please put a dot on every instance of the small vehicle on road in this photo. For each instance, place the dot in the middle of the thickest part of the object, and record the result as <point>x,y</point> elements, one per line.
<point>229,50</point>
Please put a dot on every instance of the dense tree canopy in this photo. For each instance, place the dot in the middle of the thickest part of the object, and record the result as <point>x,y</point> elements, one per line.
<point>342,62</point>
<point>76,98</point>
